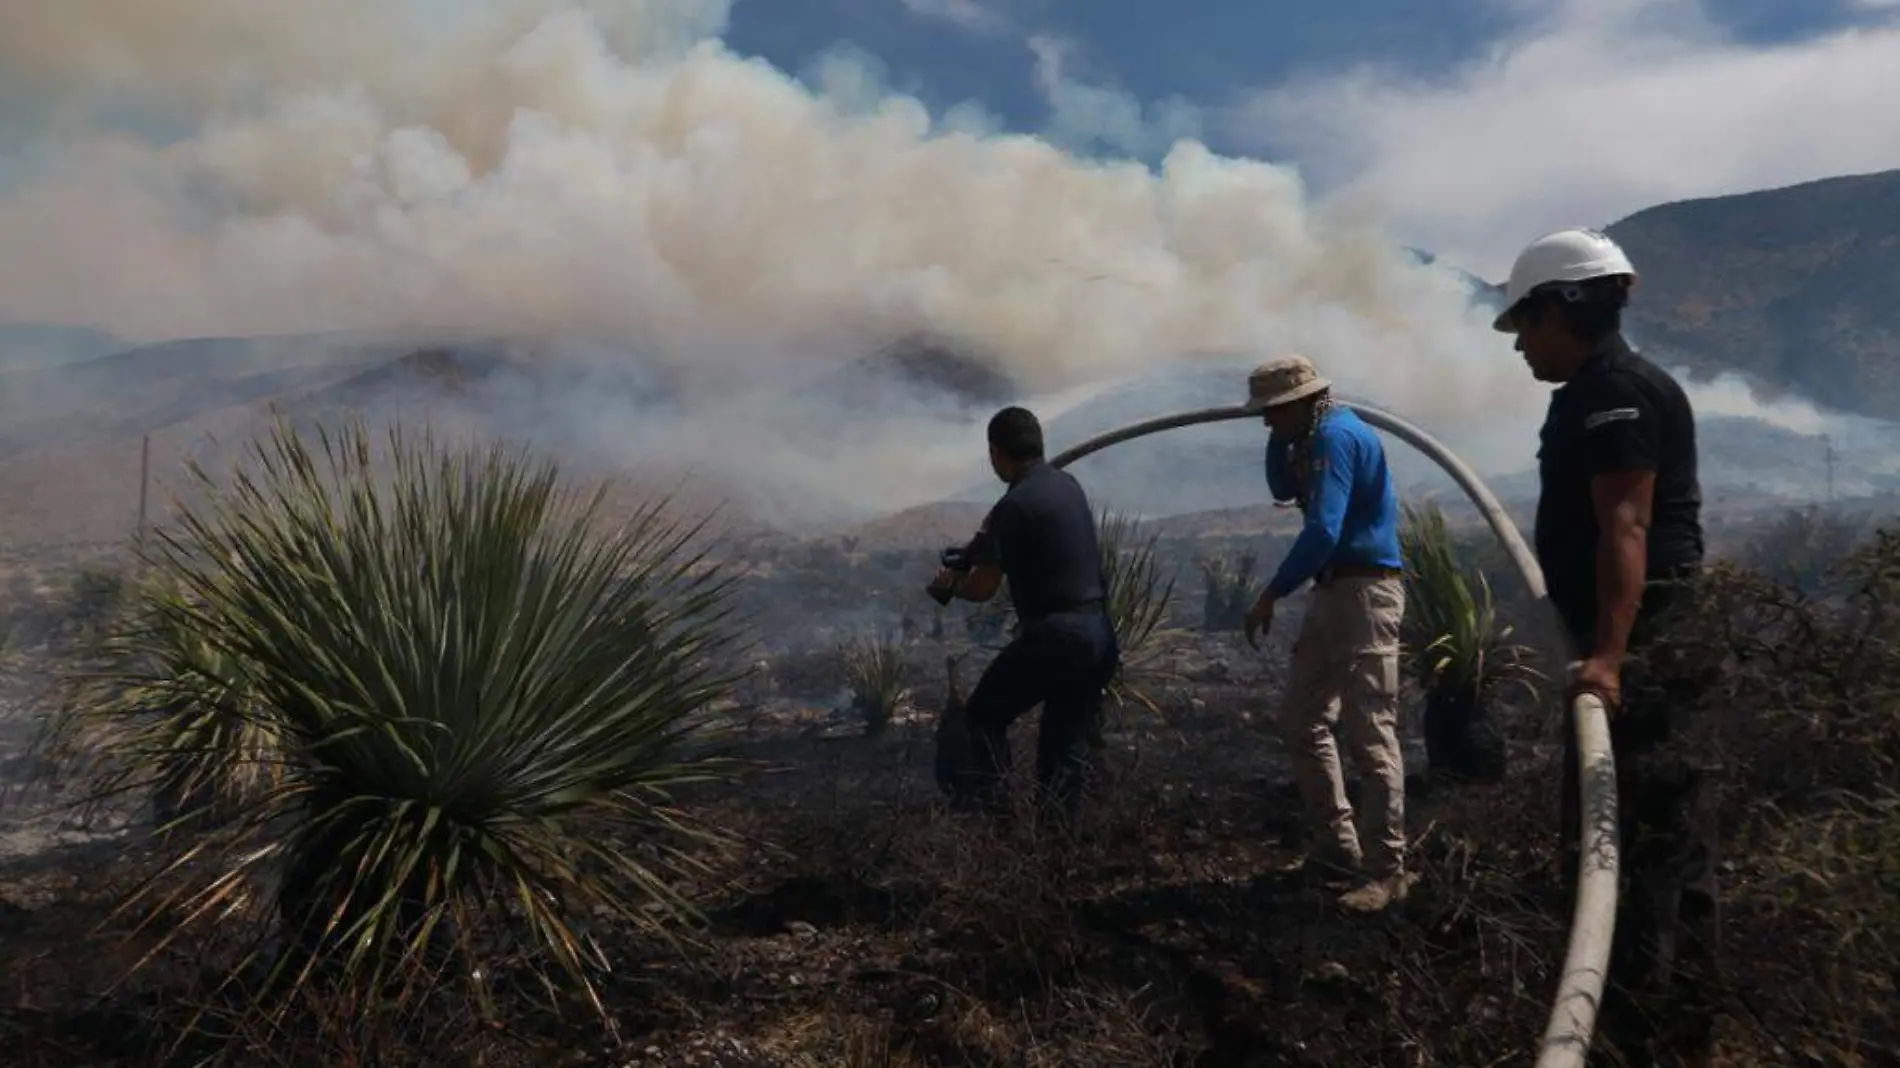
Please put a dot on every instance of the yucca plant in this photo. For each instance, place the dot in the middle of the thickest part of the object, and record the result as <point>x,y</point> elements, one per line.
<point>1459,651</point>
<point>1229,591</point>
<point>177,712</point>
<point>97,591</point>
<point>878,679</point>
<point>78,609</point>
<point>1140,589</point>
<point>481,693</point>
<point>1140,594</point>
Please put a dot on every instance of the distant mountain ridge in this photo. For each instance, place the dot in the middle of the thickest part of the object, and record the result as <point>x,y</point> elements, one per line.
<point>937,372</point>
<point>29,346</point>
<point>1793,288</point>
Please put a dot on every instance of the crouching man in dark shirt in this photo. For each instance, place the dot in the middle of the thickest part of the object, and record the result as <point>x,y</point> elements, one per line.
<point>1619,536</point>
<point>1041,537</point>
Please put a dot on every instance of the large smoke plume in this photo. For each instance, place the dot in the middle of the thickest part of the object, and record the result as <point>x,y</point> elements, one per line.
<point>610,171</point>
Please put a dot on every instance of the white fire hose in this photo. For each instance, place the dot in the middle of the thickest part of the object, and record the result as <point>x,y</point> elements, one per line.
<point>1573,1012</point>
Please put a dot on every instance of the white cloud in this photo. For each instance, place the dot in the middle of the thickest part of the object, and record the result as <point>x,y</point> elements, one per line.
<point>1595,109</point>
<point>1088,117</point>
<point>971,15</point>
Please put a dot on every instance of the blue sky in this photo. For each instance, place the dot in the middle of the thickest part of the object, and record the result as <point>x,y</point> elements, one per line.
<point>1371,98</point>
<point>1197,49</point>
<point>949,51</point>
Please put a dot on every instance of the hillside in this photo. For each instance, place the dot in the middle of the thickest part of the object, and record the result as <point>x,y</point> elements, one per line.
<point>26,346</point>
<point>70,433</point>
<point>941,374</point>
<point>1791,287</point>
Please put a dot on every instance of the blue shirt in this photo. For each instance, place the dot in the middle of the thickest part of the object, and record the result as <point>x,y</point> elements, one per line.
<point>1352,512</point>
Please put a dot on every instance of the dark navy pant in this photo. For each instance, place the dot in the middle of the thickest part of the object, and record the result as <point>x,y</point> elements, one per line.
<point>1659,1005</point>
<point>1063,662</point>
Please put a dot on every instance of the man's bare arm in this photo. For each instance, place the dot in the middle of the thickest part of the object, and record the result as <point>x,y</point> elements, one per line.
<point>980,583</point>
<point>1623,502</point>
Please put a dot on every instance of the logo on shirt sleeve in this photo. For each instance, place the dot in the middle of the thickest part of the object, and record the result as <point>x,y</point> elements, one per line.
<point>1610,415</point>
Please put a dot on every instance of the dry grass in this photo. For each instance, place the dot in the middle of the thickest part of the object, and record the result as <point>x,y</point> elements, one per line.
<point>877,675</point>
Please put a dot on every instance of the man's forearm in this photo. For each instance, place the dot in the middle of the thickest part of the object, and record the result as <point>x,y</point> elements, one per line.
<point>1622,569</point>
<point>978,585</point>
<point>1325,522</point>
<point>1304,560</point>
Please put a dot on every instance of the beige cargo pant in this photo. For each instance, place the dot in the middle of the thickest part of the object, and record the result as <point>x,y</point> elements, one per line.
<point>1346,666</point>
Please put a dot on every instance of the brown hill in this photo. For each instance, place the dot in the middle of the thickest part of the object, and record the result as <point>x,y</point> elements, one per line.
<point>1793,288</point>
<point>70,437</point>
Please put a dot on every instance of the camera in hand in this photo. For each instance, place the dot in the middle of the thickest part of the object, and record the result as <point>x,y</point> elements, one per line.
<point>955,558</point>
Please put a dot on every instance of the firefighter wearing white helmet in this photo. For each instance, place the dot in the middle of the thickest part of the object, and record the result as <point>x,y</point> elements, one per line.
<point>1571,263</point>
<point>1619,536</point>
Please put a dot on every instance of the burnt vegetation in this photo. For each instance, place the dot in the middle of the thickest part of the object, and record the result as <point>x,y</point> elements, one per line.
<point>431,767</point>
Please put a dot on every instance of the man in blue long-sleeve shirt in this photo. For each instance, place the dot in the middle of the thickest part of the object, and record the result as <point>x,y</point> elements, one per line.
<point>1346,660</point>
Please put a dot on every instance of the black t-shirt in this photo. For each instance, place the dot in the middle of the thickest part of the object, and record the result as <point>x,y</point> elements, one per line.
<point>1042,534</point>
<point>1620,413</point>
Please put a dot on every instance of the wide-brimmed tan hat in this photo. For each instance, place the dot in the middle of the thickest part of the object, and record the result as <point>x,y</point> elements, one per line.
<point>1283,381</point>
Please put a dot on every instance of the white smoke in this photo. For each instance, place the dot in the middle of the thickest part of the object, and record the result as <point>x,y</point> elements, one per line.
<point>611,170</point>
<point>1732,396</point>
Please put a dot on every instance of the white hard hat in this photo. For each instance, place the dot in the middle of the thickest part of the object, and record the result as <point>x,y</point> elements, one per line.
<point>1574,255</point>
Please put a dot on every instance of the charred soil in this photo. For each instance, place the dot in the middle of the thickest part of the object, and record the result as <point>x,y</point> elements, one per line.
<point>854,922</point>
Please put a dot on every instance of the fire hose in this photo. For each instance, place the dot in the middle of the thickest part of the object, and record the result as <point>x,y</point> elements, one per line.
<point>1573,1011</point>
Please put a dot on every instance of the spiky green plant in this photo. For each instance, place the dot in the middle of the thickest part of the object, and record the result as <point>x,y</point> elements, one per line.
<point>1229,591</point>
<point>1140,588</point>
<point>1459,651</point>
<point>878,679</point>
<point>1455,638</point>
<point>483,696</point>
<point>176,709</point>
<point>97,592</point>
<point>1140,595</point>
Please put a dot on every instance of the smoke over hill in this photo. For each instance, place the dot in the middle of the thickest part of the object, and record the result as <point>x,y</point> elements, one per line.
<point>616,235</point>
<point>610,171</point>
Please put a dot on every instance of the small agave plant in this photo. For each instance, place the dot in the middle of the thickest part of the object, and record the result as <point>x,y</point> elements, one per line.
<point>1140,596</point>
<point>1459,651</point>
<point>878,678</point>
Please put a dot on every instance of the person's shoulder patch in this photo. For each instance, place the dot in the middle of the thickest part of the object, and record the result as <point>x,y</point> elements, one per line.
<point>1610,415</point>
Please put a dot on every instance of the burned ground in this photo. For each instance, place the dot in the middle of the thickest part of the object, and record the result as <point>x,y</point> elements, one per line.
<point>853,922</point>
<point>856,910</point>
